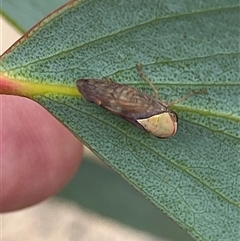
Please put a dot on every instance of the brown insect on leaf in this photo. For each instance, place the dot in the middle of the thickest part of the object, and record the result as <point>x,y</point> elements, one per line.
<point>138,108</point>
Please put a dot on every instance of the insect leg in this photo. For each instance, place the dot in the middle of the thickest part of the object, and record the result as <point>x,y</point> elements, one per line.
<point>107,79</point>
<point>142,75</point>
<point>191,93</point>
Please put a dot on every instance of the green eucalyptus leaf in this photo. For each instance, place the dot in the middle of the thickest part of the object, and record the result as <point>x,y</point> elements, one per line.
<point>183,45</point>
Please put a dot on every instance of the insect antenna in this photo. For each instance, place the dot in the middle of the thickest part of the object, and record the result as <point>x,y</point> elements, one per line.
<point>191,93</point>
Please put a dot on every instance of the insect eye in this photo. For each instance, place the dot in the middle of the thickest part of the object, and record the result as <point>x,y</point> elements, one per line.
<point>173,116</point>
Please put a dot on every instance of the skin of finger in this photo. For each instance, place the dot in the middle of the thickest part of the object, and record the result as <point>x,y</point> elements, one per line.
<point>38,154</point>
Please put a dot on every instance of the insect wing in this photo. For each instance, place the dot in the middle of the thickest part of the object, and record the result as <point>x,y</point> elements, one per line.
<point>120,99</point>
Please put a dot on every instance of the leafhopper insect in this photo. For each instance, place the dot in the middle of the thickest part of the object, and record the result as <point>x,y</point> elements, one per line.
<point>140,109</point>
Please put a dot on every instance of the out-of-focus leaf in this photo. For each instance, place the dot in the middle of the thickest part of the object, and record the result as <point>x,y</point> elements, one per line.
<point>25,13</point>
<point>193,176</point>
